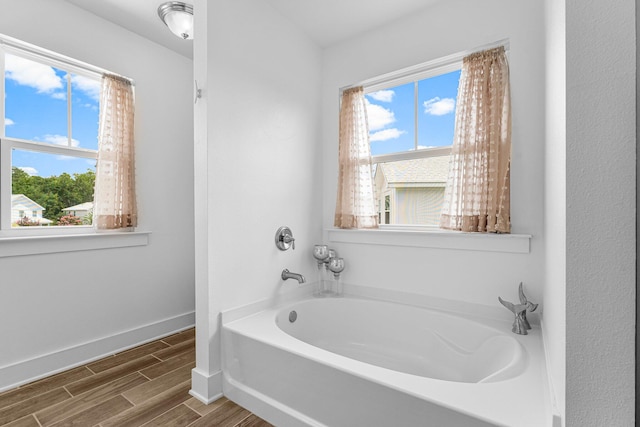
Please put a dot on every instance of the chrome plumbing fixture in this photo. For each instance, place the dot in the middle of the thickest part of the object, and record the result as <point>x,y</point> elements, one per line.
<point>520,324</point>
<point>284,239</point>
<point>286,274</point>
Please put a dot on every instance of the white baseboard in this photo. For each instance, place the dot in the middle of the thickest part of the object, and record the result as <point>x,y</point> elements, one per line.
<point>39,367</point>
<point>206,388</point>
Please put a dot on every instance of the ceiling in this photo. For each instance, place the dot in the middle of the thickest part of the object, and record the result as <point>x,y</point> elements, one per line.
<point>325,21</point>
<point>139,16</point>
<point>330,21</point>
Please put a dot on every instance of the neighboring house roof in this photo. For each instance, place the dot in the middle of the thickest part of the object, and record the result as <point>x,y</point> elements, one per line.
<point>427,170</point>
<point>81,207</point>
<point>25,203</point>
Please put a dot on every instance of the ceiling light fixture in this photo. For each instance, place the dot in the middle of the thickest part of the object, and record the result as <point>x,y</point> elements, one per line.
<point>178,16</point>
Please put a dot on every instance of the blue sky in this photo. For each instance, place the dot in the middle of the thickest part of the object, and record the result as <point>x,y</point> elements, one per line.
<point>391,115</point>
<point>36,109</point>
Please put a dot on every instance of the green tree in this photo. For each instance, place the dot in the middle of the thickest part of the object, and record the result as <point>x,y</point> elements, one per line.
<point>85,183</point>
<point>54,193</point>
<point>20,181</point>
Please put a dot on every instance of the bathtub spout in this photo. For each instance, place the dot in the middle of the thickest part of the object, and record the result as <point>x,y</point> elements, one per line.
<point>286,274</point>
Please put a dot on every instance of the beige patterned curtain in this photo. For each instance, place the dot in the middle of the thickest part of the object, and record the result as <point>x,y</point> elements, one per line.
<point>477,192</point>
<point>115,199</point>
<point>355,205</point>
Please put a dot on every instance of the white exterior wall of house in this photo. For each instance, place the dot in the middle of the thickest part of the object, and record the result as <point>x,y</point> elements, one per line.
<point>415,189</point>
<point>22,206</point>
<point>80,210</point>
<point>420,205</point>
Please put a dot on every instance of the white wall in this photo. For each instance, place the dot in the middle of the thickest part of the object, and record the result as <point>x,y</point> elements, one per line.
<point>257,162</point>
<point>68,299</point>
<point>555,215</point>
<point>600,211</point>
<point>443,29</point>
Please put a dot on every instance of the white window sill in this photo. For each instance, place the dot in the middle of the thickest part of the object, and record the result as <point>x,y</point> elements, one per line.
<point>34,245</point>
<point>441,239</point>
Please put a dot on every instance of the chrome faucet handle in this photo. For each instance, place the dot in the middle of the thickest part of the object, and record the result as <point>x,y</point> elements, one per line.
<point>287,238</point>
<point>520,323</point>
<point>284,239</point>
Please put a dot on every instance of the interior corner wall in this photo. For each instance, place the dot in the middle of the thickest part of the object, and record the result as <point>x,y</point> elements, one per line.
<point>601,248</point>
<point>555,199</point>
<point>262,158</point>
<point>52,303</point>
<point>439,30</point>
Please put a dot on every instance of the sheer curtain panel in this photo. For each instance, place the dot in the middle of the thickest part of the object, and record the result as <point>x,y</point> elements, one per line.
<point>477,195</point>
<point>115,199</point>
<point>355,204</point>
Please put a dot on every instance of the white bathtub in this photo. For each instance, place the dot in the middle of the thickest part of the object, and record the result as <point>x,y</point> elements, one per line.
<point>360,362</point>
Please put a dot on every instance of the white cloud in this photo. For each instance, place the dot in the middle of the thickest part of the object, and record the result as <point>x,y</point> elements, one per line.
<point>8,121</point>
<point>439,107</point>
<point>29,170</point>
<point>382,95</point>
<point>59,95</point>
<point>378,116</point>
<point>89,86</point>
<point>61,140</point>
<point>28,73</point>
<point>386,134</point>
<point>44,79</point>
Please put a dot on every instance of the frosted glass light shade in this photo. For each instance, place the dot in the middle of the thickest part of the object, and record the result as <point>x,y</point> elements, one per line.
<point>178,17</point>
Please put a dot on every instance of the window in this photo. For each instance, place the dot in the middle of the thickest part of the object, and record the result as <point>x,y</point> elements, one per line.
<point>477,147</point>
<point>48,138</point>
<point>411,124</point>
<point>387,210</point>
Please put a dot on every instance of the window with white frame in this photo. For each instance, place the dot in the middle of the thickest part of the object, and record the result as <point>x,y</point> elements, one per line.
<point>48,139</point>
<point>411,117</point>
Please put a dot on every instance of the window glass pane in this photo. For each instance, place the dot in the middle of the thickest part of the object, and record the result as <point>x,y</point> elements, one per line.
<point>416,187</point>
<point>85,110</point>
<point>35,101</point>
<point>411,192</point>
<point>59,189</point>
<point>437,110</point>
<point>391,119</point>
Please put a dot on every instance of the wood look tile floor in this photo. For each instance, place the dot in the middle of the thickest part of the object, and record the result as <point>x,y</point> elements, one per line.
<point>144,386</point>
